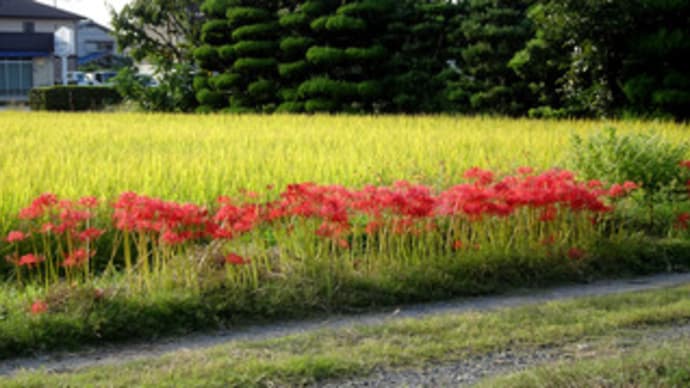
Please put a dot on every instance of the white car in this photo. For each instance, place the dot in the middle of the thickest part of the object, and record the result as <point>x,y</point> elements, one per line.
<point>101,78</point>
<point>78,78</point>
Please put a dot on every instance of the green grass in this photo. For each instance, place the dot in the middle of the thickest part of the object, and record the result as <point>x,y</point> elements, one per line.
<point>355,351</point>
<point>661,365</point>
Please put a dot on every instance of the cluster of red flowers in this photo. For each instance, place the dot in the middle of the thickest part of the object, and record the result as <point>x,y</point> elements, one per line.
<point>67,221</point>
<point>172,223</point>
<point>337,209</point>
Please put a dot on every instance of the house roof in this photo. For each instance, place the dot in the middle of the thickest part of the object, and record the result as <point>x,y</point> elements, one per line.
<point>29,9</point>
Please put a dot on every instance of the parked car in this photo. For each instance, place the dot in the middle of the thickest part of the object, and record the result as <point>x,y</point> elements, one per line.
<point>101,78</point>
<point>78,78</point>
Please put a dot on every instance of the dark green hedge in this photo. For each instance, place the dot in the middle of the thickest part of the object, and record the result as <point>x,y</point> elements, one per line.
<point>73,98</point>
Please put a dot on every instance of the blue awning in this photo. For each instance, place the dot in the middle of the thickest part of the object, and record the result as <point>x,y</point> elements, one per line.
<point>24,54</point>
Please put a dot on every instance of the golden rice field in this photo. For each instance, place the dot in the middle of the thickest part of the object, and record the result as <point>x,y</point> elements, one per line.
<point>197,158</point>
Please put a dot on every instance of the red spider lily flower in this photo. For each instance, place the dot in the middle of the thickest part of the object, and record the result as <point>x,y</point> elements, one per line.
<point>549,213</point>
<point>616,191</point>
<point>48,227</point>
<point>30,259</point>
<point>16,236</point>
<point>683,220</point>
<point>685,163</point>
<point>236,259</point>
<point>549,240</point>
<point>78,257</point>
<point>575,253</point>
<point>524,170</point>
<point>90,234</point>
<point>343,244</point>
<point>630,186</point>
<point>483,177</point>
<point>457,245</point>
<point>89,202</point>
<point>38,307</point>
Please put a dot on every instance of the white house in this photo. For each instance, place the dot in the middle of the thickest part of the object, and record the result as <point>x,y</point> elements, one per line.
<point>95,43</point>
<point>27,46</point>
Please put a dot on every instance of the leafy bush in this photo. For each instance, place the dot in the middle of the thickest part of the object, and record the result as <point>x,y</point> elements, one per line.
<point>227,54</point>
<point>254,48</point>
<point>208,57</point>
<point>342,23</point>
<point>72,98</point>
<point>290,107</point>
<point>254,65</point>
<point>295,45</point>
<point>215,32</point>
<point>225,81</point>
<point>215,8</point>
<point>325,87</point>
<point>644,158</point>
<point>371,54</point>
<point>294,20</point>
<point>256,31</point>
<point>326,56</point>
<point>238,16</point>
<point>293,69</point>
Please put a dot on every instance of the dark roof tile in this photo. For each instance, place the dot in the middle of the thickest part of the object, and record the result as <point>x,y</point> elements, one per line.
<point>28,9</point>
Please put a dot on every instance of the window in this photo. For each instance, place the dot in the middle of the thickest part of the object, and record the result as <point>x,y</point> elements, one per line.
<point>29,27</point>
<point>16,78</point>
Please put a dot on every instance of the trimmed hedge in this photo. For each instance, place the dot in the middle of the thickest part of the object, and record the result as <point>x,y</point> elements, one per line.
<point>73,98</point>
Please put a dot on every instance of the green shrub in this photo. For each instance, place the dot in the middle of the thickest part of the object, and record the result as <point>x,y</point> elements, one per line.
<point>290,107</point>
<point>210,98</point>
<point>294,20</point>
<point>255,48</point>
<point>215,32</point>
<point>345,24</point>
<point>371,54</point>
<point>294,46</point>
<point>208,57</point>
<point>326,56</point>
<point>225,81</point>
<point>238,16</point>
<point>644,158</point>
<point>320,105</point>
<point>326,87</point>
<point>370,89</point>
<point>73,98</point>
<point>313,7</point>
<point>261,90</point>
<point>293,69</point>
<point>256,31</point>
<point>215,8</point>
<point>255,65</point>
<point>365,8</point>
<point>227,54</point>
<point>319,24</point>
<point>200,82</point>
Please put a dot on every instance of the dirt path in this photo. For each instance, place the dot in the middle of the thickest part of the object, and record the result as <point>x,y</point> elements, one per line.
<point>113,354</point>
<point>470,371</point>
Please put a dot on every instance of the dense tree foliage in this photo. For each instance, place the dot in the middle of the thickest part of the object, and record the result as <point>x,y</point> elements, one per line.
<point>573,58</point>
<point>162,33</point>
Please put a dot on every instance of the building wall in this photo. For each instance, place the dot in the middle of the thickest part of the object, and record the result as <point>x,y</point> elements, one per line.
<point>90,36</point>
<point>49,26</point>
<point>44,74</point>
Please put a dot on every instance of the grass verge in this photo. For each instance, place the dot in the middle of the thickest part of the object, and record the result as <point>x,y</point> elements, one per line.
<point>664,365</point>
<point>345,353</point>
<point>103,312</point>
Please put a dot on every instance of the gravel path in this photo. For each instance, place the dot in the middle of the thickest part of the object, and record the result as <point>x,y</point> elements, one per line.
<point>470,371</point>
<point>114,354</point>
